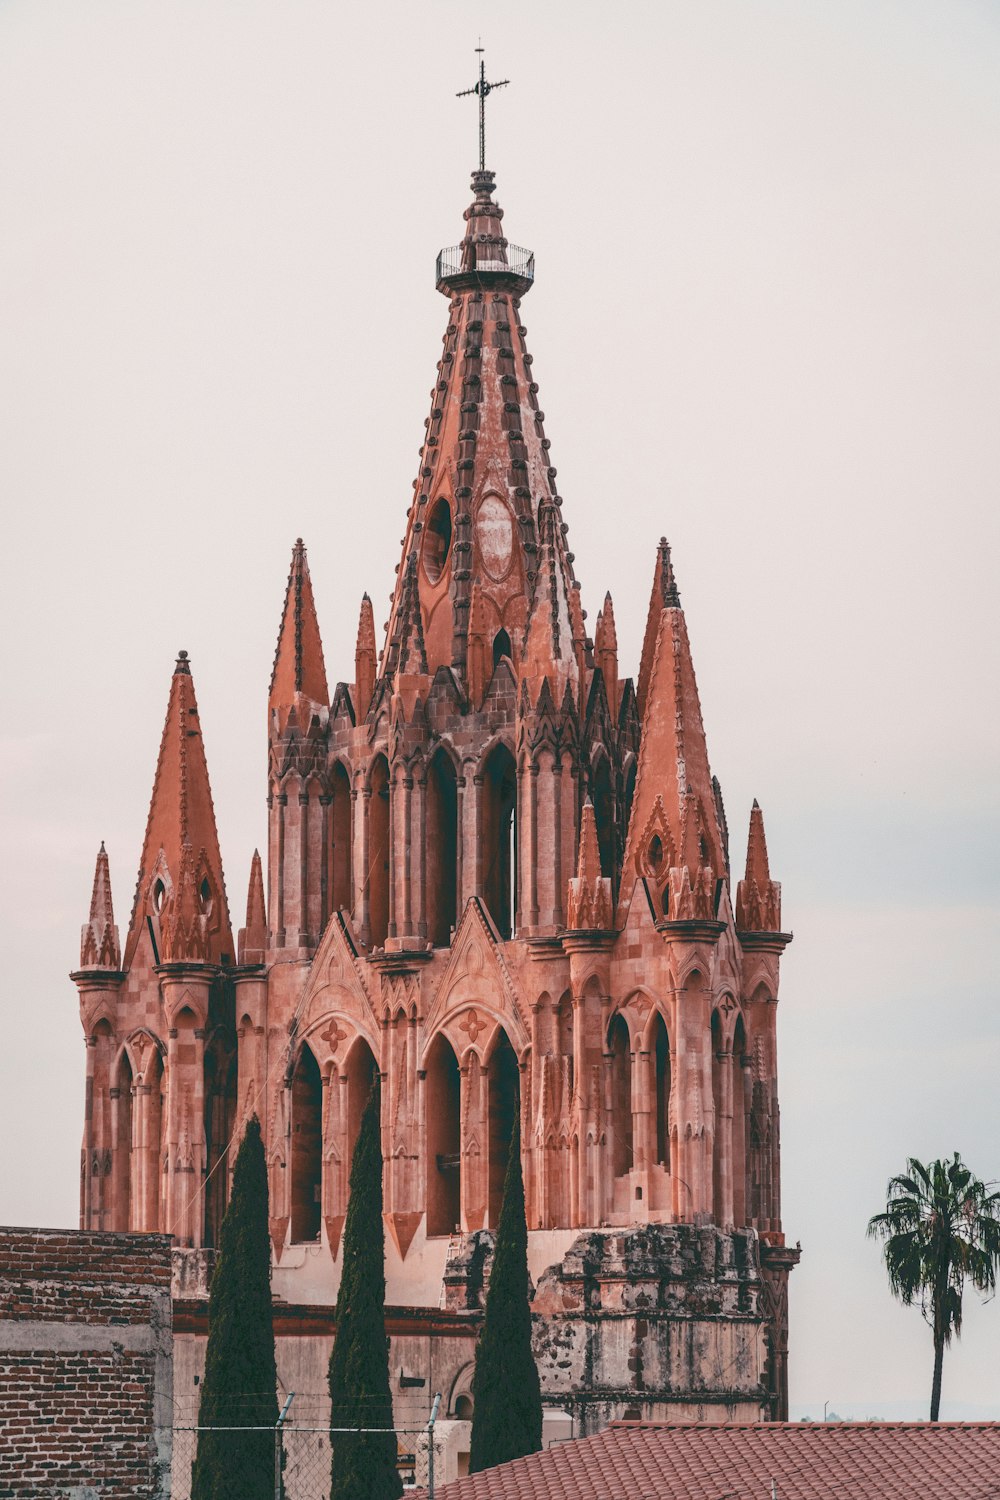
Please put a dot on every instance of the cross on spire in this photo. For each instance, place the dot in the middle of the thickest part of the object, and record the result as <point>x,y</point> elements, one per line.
<point>482,88</point>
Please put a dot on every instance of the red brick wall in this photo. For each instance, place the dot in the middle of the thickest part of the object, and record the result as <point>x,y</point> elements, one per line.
<point>85,1365</point>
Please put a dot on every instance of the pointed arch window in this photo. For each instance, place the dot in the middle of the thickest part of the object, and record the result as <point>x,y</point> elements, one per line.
<point>620,1047</point>
<point>444,1139</point>
<point>503,1093</point>
<point>377,874</point>
<point>441,861</point>
<point>499,825</point>
<point>661,1056</point>
<point>437,540</point>
<point>341,840</point>
<point>502,647</point>
<point>307,1148</point>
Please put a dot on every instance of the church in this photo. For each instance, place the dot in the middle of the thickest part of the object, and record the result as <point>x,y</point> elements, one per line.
<point>498,876</point>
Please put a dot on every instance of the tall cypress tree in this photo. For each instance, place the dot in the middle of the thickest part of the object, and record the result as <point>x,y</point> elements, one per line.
<point>363,1467</point>
<point>240,1385</point>
<point>507,1398</point>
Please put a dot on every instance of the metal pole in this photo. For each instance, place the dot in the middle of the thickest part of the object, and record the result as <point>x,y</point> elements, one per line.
<point>430,1446</point>
<point>277,1443</point>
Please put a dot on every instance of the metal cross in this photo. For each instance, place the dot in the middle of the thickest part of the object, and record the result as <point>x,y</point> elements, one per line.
<point>482,88</point>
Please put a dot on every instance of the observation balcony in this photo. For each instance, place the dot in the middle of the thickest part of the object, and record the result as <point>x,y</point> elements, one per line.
<point>460,267</point>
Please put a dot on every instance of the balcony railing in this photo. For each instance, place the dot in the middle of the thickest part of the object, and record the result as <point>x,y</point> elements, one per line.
<point>519,262</point>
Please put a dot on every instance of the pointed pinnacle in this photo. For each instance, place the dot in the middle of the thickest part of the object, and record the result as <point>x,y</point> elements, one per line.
<point>758,868</point>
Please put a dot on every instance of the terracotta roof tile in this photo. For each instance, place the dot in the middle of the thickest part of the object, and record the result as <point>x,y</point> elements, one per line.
<point>807,1460</point>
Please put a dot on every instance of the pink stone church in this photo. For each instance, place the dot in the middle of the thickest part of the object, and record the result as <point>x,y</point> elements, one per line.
<point>498,875</point>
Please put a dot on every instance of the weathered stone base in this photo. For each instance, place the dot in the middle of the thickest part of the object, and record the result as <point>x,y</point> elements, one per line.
<point>661,1321</point>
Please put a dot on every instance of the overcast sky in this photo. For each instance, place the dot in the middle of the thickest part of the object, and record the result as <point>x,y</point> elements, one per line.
<point>766,321</point>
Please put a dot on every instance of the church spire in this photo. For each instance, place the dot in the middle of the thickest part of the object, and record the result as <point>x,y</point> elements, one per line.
<point>253,937</point>
<point>365,660</point>
<point>664,596</point>
<point>606,652</point>
<point>485,472</point>
<point>298,669</point>
<point>99,945</point>
<point>674,838</point>
<point>180,871</point>
<point>758,897</point>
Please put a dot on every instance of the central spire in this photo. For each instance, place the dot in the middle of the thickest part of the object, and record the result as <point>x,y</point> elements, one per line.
<point>485,475</point>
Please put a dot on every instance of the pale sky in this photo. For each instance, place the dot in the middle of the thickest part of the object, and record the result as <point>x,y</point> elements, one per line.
<point>766,322</point>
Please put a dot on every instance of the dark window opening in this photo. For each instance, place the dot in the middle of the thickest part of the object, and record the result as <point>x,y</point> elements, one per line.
<point>441,863</point>
<point>307,1148</point>
<point>437,540</point>
<point>499,885</point>
<point>444,1140</point>
<point>503,1096</point>
<point>502,647</point>
<point>378,854</point>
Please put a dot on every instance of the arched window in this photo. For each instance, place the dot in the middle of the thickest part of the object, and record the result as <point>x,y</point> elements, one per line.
<point>441,862</point>
<point>121,1161</point>
<point>621,1096</point>
<point>502,647</point>
<point>377,874</point>
<point>146,1177</point>
<point>503,1095</point>
<point>307,1148</point>
<point>437,540</point>
<point>361,1070</point>
<point>341,841</point>
<point>444,1139</point>
<point>499,843</point>
<point>741,1110</point>
<point>603,799</point>
<point>661,1053</point>
<point>722,1140</point>
<point>220,1119</point>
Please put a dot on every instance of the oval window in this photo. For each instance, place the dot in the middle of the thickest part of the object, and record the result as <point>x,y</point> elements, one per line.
<point>437,540</point>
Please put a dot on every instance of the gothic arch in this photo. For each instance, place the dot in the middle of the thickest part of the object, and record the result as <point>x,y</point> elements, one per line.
<point>498,823</point>
<point>376,875</point>
<point>306,1147</point>
<point>659,1049</point>
<point>619,1045</point>
<point>444,1137</point>
<point>442,835</point>
<point>503,1096</point>
<point>340,888</point>
<point>122,1082</point>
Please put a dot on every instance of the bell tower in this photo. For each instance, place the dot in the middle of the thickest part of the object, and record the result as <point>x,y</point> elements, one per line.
<point>497,875</point>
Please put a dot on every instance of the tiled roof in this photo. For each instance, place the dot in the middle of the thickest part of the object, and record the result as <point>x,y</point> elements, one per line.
<point>806,1461</point>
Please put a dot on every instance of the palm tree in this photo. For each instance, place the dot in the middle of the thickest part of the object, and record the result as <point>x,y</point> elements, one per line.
<point>940,1227</point>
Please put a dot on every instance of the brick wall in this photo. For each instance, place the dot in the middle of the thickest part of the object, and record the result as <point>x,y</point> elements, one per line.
<point>86,1397</point>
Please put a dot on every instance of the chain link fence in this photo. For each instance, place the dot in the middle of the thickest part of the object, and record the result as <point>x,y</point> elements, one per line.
<point>302,1453</point>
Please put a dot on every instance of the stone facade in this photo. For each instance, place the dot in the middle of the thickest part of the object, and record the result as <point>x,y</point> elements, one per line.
<point>85,1365</point>
<point>498,875</point>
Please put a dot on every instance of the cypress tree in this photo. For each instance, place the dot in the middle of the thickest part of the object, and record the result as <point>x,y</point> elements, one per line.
<point>240,1385</point>
<point>507,1398</point>
<point>363,1467</point>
